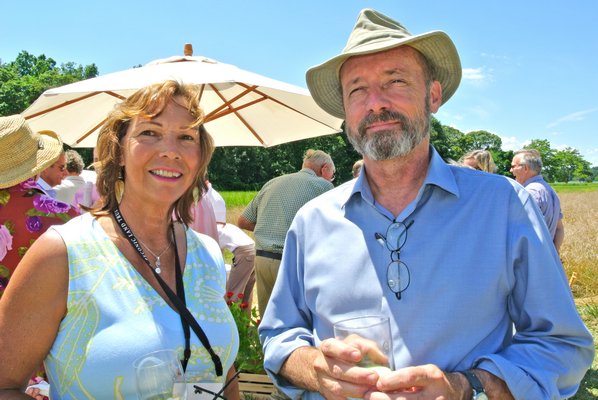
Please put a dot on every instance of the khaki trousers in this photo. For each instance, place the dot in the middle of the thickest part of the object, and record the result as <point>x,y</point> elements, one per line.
<point>266,270</point>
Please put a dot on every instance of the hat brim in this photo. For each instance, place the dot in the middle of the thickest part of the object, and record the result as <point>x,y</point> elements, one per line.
<point>323,80</point>
<point>46,155</point>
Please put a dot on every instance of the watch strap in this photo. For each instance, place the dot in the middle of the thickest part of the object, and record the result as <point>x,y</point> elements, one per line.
<point>475,383</point>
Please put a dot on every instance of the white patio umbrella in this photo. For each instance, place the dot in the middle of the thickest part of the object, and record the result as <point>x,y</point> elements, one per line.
<point>242,108</point>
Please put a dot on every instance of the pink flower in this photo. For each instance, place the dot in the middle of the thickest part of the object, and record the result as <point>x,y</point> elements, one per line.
<point>29,184</point>
<point>5,241</point>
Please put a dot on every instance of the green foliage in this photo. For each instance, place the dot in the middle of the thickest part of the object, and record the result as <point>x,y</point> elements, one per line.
<point>562,165</point>
<point>25,79</point>
<point>248,168</point>
<point>251,356</point>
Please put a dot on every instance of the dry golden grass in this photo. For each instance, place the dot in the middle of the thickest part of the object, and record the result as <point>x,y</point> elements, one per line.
<point>579,252</point>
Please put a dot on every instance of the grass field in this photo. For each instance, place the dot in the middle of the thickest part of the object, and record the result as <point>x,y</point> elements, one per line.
<point>579,255</point>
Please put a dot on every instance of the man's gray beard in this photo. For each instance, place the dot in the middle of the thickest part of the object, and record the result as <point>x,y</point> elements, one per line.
<point>391,143</point>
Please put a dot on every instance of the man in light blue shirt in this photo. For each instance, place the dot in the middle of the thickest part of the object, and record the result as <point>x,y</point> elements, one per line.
<point>473,257</point>
<point>526,168</point>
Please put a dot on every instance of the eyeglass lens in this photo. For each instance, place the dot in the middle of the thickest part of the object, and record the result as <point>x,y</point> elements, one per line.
<point>396,235</point>
<point>398,277</point>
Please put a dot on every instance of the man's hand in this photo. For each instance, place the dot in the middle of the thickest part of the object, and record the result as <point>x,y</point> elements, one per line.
<point>421,382</point>
<point>337,372</point>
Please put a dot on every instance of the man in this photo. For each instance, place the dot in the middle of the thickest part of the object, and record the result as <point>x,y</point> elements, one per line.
<point>241,278</point>
<point>73,182</point>
<point>52,176</point>
<point>271,212</point>
<point>408,240</point>
<point>526,168</point>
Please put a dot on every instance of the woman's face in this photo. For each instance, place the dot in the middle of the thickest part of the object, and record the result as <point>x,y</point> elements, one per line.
<point>161,155</point>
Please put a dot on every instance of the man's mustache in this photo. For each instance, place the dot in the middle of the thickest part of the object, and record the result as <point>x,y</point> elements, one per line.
<point>383,116</point>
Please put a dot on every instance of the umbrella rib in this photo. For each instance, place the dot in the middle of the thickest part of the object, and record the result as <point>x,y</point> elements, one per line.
<point>218,112</point>
<point>89,132</point>
<point>66,103</point>
<point>228,104</point>
<point>254,89</point>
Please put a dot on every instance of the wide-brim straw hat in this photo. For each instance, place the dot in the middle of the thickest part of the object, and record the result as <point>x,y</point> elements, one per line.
<point>24,153</point>
<point>373,33</point>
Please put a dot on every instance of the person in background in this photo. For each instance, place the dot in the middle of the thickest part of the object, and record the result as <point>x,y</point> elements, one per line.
<point>271,211</point>
<point>89,195</point>
<point>52,176</point>
<point>203,216</point>
<point>241,279</point>
<point>357,168</point>
<point>527,169</point>
<point>73,182</point>
<point>25,210</point>
<point>479,159</point>
<point>408,240</point>
<point>126,279</point>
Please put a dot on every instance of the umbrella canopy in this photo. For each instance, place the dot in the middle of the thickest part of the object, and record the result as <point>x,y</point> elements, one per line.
<point>242,108</point>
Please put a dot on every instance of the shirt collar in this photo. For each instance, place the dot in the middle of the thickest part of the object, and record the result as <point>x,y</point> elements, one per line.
<point>308,171</point>
<point>535,178</point>
<point>439,174</point>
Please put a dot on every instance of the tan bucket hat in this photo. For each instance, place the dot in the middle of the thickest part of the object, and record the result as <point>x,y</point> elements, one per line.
<point>375,32</point>
<point>24,153</point>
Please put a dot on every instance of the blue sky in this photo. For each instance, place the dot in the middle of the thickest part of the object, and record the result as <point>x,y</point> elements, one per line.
<point>529,67</point>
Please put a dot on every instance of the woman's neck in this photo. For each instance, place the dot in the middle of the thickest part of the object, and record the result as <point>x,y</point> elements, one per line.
<point>151,226</point>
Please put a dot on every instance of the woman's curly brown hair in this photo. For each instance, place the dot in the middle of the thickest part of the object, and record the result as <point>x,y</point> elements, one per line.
<point>148,102</point>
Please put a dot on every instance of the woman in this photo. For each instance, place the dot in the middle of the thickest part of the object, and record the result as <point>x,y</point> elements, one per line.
<point>480,160</point>
<point>110,291</point>
<point>25,210</point>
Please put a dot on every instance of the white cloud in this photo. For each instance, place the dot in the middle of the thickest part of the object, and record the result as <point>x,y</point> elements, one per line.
<point>473,74</point>
<point>513,143</point>
<point>575,116</point>
<point>477,76</point>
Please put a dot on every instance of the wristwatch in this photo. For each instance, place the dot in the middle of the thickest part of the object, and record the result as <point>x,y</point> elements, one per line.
<point>476,385</point>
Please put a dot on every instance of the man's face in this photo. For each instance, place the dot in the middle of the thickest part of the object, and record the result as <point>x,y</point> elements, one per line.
<point>519,170</point>
<point>54,174</point>
<point>387,103</point>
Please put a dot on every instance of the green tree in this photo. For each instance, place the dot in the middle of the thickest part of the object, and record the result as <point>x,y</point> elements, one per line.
<point>549,163</point>
<point>25,79</point>
<point>439,139</point>
<point>480,140</point>
<point>454,138</point>
<point>570,165</point>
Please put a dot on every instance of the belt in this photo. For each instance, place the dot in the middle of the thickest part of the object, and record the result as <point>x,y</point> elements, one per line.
<point>268,254</point>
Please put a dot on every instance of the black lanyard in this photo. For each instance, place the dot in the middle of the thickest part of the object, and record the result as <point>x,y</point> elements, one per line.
<point>187,319</point>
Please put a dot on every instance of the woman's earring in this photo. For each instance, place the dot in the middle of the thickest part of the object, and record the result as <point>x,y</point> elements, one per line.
<point>195,195</point>
<point>119,188</point>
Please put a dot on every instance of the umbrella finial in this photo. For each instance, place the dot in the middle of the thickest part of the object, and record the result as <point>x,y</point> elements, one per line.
<point>188,50</point>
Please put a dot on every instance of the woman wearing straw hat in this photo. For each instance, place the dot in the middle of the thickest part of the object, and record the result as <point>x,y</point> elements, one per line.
<point>25,211</point>
<point>126,279</point>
